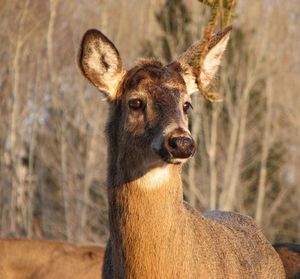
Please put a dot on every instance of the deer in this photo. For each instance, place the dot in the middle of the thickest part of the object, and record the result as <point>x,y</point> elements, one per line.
<point>154,233</point>
<point>290,256</point>
<point>36,259</point>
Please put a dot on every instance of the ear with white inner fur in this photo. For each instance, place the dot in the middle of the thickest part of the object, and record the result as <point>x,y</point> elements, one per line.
<point>100,62</point>
<point>203,74</point>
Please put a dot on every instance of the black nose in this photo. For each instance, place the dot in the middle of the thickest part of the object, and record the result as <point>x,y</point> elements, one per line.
<point>181,146</point>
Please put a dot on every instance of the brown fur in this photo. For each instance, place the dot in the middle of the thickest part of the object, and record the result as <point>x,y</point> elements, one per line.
<point>290,256</point>
<point>36,259</point>
<point>153,232</point>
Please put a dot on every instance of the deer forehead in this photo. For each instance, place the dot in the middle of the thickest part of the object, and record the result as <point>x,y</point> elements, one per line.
<point>155,81</point>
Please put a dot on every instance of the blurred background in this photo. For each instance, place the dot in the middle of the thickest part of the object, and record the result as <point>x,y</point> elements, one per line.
<point>52,143</point>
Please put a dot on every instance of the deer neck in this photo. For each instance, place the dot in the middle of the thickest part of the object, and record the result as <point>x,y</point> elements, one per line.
<point>145,212</point>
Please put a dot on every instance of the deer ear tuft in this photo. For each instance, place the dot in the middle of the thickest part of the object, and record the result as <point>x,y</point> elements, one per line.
<point>100,62</point>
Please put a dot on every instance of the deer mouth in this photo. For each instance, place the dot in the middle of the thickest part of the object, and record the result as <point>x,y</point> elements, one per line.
<point>168,158</point>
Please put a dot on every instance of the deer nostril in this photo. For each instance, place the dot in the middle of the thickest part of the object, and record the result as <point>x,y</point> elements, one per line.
<point>173,142</point>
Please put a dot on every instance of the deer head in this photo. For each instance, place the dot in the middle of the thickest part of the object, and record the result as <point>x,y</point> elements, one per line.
<point>150,103</point>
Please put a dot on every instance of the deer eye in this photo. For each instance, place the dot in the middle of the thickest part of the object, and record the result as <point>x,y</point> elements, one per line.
<point>187,106</point>
<point>135,104</point>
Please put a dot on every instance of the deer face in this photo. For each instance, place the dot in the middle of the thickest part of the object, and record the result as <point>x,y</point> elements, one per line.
<point>149,103</point>
<point>154,105</point>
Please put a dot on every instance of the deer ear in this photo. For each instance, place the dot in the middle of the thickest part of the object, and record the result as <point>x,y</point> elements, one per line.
<point>100,62</point>
<point>200,76</point>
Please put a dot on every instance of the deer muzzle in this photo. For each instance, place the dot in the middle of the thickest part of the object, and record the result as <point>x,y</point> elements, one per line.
<point>176,146</point>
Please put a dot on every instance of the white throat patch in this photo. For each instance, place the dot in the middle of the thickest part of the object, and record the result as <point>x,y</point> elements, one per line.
<point>155,177</point>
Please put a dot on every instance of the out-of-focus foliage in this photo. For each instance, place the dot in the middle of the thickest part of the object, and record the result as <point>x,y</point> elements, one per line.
<point>220,18</point>
<point>174,22</point>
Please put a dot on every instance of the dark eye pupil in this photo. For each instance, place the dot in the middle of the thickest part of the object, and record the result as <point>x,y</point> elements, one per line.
<point>187,106</point>
<point>135,104</point>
